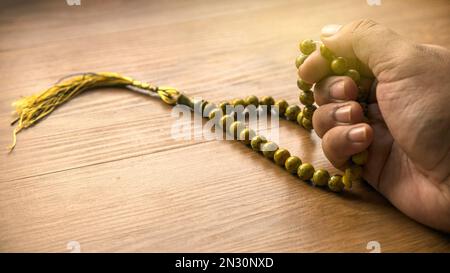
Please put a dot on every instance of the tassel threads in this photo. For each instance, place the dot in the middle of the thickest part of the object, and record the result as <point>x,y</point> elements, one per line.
<point>30,110</point>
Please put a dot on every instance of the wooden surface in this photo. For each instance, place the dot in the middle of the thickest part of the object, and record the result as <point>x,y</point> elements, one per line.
<point>104,171</point>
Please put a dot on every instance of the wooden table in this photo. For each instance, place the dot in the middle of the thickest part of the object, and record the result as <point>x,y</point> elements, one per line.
<point>103,172</point>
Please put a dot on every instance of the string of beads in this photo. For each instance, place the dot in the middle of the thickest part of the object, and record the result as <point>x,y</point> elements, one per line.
<point>281,156</point>
<point>32,109</point>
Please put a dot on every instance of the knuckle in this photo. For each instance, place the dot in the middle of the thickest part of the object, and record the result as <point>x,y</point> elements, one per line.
<point>322,120</point>
<point>322,90</point>
<point>364,25</point>
<point>362,29</point>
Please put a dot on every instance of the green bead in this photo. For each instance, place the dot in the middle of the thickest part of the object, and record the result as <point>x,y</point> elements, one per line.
<point>237,102</point>
<point>347,181</point>
<point>223,106</point>
<point>209,107</point>
<point>339,66</point>
<point>269,148</point>
<point>360,158</point>
<point>282,105</point>
<point>305,171</point>
<point>247,135</point>
<point>307,46</point>
<point>226,120</point>
<point>320,178</point>
<point>300,60</point>
<point>352,73</point>
<point>292,112</point>
<point>252,100</point>
<point>256,142</point>
<point>267,100</point>
<point>302,85</point>
<point>280,156</point>
<point>335,183</point>
<point>308,111</point>
<point>326,53</point>
<point>351,174</point>
<point>216,112</point>
<point>236,128</point>
<point>307,124</point>
<point>300,118</point>
<point>292,164</point>
<point>307,97</point>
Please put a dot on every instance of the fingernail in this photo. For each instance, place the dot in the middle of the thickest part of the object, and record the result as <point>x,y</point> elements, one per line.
<point>358,134</point>
<point>330,30</point>
<point>343,114</point>
<point>337,90</point>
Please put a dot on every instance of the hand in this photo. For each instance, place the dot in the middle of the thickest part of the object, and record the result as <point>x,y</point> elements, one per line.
<point>408,133</point>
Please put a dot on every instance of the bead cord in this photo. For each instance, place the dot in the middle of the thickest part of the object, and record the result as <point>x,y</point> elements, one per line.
<point>32,109</point>
<point>269,149</point>
<point>339,66</point>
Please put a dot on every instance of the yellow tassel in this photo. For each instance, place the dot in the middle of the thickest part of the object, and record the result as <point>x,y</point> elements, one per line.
<point>34,108</point>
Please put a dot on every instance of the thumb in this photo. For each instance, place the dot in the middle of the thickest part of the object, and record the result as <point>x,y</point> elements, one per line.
<point>376,46</point>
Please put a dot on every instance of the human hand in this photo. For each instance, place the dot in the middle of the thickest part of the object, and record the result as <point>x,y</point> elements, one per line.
<point>408,133</point>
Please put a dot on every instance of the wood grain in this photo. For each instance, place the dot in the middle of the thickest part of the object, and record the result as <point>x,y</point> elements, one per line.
<point>104,171</point>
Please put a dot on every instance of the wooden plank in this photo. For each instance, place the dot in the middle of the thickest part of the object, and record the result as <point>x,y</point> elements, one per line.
<point>234,203</point>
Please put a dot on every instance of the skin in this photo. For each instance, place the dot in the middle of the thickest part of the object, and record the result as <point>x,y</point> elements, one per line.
<point>408,133</point>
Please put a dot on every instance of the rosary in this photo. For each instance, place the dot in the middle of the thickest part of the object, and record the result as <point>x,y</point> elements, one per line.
<point>34,108</point>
